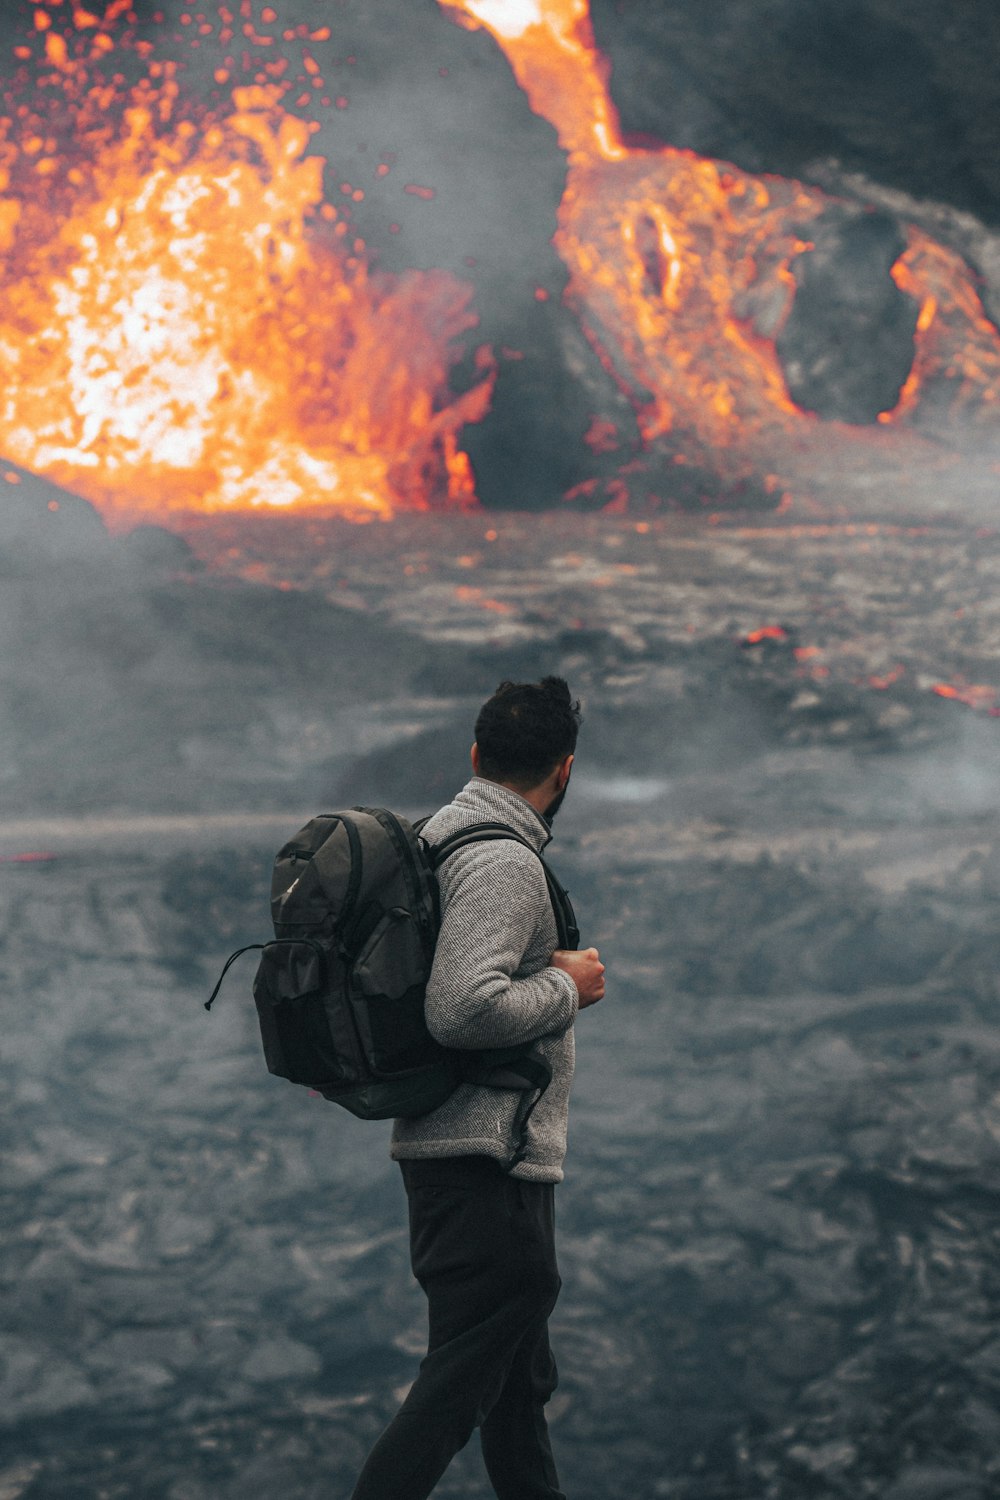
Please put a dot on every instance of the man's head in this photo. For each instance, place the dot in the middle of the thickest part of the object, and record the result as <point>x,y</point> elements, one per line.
<point>525,738</point>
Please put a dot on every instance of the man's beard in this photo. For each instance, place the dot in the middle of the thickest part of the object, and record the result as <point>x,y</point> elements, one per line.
<point>555,804</point>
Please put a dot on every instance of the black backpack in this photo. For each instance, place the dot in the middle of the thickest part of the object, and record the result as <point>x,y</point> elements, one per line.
<point>340,988</point>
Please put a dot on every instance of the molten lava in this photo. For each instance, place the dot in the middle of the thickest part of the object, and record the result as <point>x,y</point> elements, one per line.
<point>186,323</point>
<point>680,267</point>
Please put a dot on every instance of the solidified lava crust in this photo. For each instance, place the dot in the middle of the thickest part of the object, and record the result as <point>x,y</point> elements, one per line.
<point>779,1217</point>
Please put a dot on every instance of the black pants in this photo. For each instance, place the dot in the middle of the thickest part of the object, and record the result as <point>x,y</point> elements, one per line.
<point>482,1246</point>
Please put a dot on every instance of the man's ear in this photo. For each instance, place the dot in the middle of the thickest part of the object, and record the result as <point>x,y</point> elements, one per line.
<point>475,760</point>
<point>564,772</point>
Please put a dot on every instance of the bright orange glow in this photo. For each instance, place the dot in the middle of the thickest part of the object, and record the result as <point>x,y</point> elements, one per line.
<point>766,633</point>
<point>549,43</point>
<point>183,327</point>
<point>954,336</point>
<point>972,694</point>
<point>680,267</point>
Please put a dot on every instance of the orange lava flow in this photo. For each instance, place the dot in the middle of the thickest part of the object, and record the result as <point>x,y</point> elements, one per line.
<point>766,633</point>
<point>680,267</point>
<point>974,695</point>
<point>185,324</point>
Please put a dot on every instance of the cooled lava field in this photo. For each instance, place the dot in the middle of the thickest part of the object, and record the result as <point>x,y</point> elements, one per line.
<point>779,1224</point>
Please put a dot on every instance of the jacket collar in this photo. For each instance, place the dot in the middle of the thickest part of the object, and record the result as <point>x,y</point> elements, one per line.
<point>489,802</point>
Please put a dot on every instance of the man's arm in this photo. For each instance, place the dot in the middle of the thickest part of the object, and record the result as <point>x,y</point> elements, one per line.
<point>491,914</point>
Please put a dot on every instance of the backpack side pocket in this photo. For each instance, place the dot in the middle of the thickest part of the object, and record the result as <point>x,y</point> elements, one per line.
<point>305,1037</point>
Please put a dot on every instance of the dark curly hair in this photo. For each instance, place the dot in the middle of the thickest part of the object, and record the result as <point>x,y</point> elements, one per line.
<point>525,730</point>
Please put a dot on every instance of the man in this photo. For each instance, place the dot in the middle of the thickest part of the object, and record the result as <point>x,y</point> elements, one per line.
<point>481,1201</point>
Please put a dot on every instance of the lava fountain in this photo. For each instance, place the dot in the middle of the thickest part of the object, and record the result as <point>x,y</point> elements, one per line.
<point>187,324</point>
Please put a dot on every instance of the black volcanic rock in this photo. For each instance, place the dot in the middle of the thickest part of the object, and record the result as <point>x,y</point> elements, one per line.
<point>158,550</point>
<point>440,106</point>
<point>908,94</point>
<point>531,447</point>
<point>847,345</point>
<point>42,525</point>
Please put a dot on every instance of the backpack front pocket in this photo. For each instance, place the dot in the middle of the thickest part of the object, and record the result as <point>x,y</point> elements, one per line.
<point>387,996</point>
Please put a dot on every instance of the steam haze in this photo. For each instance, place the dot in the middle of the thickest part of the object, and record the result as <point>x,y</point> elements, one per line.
<point>778,1225</point>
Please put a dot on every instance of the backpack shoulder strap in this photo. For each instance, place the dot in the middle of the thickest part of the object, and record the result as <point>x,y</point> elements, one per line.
<point>476,833</point>
<point>481,833</point>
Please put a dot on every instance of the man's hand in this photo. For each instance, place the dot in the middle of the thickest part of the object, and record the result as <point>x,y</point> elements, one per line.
<point>586,971</point>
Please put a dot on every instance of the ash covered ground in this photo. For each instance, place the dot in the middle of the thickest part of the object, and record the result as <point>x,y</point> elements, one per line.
<point>782,1207</point>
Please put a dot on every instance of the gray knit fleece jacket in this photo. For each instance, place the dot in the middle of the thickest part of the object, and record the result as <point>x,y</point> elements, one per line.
<point>492,986</point>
